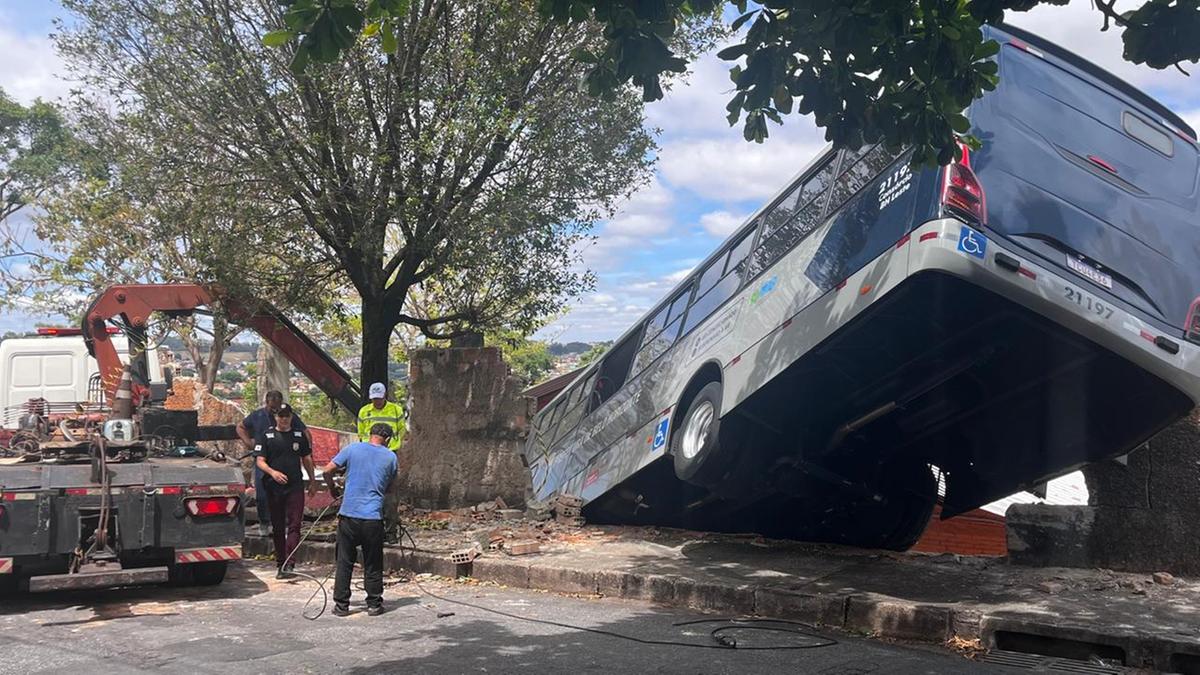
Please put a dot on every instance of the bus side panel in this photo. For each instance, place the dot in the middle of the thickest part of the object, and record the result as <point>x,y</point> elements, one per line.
<point>808,294</point>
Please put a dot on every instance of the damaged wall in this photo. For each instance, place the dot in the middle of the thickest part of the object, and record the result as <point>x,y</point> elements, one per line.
<point>1141,517</point>
<point>466,427</point>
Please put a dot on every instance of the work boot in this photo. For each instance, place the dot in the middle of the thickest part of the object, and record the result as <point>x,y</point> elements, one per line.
<point>341,610</point>
<point>375,611</point>
<point>286,572</point>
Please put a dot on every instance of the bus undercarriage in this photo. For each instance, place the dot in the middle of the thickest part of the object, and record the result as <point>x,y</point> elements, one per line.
<point>938,373</point>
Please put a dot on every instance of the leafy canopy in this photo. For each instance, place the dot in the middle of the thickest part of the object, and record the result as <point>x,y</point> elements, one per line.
<point>901,71</point>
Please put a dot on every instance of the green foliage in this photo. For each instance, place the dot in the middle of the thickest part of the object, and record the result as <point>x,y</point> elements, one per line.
<point>318,410</point>
<point>596,351</point>
<point>230,377</point>
<point>36,152</point>
<point>464,163</point>
<point>529,360</point>
<point>900,71</point>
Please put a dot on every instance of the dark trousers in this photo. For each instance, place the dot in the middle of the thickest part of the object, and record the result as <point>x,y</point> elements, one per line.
<point>351,534</point>
<point>260,498</point>
<point>287,514</point>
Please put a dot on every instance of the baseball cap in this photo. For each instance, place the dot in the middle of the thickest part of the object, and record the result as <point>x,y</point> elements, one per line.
<point>284,410</point>
<point>377,390</point>
<point>382,430</point>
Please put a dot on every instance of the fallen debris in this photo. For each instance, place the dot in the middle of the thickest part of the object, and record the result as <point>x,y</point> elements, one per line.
<point>522,547</point>
<point>1163,578</point>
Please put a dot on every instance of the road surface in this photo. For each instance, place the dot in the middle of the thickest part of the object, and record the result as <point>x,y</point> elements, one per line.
<point>253,624</point>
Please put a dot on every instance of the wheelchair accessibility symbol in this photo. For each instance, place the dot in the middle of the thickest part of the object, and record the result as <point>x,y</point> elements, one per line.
<point>660,434</point>
<point>972,243</point>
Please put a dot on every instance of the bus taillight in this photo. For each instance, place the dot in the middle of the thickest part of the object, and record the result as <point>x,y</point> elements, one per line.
<point>1193,322</point>
<point>961,191</point>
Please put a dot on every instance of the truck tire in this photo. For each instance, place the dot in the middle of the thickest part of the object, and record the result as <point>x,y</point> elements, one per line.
<point>696,444</point>
<point>209,573</point>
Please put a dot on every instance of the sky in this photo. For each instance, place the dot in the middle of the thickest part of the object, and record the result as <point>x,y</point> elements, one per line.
<point>707,179</point>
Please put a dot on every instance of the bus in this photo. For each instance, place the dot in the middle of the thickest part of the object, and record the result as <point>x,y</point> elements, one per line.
<point>879,338</point>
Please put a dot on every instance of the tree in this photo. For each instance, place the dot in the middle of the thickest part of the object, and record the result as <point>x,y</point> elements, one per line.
<point>529,359</point>
<point>897,70</point>
<point>230,377</point>
<point>124,211</point>
<point>467,148</point>
<point>34,147</point>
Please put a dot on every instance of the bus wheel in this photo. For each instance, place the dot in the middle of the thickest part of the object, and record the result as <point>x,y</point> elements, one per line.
<point>696,443</point>
<point>910,492</point>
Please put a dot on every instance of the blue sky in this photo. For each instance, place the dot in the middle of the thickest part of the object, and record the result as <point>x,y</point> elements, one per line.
<point>707,178</point>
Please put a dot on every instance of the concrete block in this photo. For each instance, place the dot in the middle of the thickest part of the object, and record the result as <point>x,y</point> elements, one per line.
<point>562,579</point>
<point>822,609</point>
<point>522,547</point>
<point>898,619</point>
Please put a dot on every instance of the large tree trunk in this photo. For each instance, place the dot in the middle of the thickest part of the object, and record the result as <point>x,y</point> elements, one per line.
<point>377,329</point>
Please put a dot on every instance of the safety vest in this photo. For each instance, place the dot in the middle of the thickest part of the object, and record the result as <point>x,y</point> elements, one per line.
<point>391,414</point>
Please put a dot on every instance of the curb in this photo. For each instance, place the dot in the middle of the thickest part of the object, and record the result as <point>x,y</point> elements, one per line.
<point>867,613</point>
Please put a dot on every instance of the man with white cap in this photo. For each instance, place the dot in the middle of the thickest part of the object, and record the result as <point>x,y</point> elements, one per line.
<point>382,411</point>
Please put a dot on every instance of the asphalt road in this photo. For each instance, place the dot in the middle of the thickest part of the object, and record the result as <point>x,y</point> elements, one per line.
<point>253,624</point>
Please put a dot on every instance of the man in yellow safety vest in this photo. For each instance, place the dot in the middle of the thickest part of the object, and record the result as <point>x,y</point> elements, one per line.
<point>380,410</point>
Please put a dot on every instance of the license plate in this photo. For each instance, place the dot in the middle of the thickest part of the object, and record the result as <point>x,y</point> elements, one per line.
<point>1088,272</point>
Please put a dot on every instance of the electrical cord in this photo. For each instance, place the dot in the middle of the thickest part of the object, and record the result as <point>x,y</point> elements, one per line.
<point>717,634</point>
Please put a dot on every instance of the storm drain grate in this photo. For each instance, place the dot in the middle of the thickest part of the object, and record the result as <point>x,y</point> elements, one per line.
<point>1041,663</point>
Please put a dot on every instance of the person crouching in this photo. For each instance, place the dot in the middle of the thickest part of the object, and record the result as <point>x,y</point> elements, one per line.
<point>370,469</point>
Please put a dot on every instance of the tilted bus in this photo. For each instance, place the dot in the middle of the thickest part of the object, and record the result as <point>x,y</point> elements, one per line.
<point>1028,309</point>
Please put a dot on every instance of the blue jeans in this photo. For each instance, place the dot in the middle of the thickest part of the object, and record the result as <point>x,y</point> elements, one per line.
<point>260,499</point>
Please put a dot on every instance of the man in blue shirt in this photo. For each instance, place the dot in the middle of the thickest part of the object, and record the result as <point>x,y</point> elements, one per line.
<point>370,468</point>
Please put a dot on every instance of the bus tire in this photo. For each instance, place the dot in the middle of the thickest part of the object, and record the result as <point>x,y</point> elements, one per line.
<point>696,444</point>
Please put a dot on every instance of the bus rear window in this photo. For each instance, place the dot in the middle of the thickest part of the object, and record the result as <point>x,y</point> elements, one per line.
<point>1147,134</point>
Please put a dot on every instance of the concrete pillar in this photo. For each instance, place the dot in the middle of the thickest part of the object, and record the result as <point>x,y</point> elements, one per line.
<point>468,421</point>
<point>1142,516</point>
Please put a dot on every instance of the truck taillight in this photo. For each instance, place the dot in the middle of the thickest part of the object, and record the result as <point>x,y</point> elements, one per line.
<point>962,192</point>
<point>204,507</point>
<point>1193,322</point>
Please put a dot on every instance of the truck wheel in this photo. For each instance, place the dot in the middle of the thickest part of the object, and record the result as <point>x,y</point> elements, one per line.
<point>696,444</point>
<point>209,573</point>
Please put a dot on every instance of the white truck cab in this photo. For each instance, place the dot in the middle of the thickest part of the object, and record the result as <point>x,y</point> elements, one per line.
<point>55,366</point>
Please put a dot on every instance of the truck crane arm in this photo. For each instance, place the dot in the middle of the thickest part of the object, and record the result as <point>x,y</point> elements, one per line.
<point>134,303</point>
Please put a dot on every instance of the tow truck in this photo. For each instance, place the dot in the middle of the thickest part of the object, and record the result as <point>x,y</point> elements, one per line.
<point>110,492</point>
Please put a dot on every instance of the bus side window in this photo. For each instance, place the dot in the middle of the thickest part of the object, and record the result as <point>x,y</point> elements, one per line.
<point>574,408</point>
<point>728,269</point>
<point>614,369</point>
<point>661,331</point>
<point>773,244</point>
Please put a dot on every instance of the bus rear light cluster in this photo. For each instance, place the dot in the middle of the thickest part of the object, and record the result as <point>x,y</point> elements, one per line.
<point>205,507</point>
<point>962,192</point>
<point>1193,322</point>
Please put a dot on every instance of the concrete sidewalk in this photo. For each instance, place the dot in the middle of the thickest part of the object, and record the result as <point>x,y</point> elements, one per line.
<point>1084,614</point>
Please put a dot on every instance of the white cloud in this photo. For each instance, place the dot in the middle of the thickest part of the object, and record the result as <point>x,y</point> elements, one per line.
<point>696,105</point>
<point>732,170</point>
<point>1076,26</point>
<point>30,68</point>
<point>721,223</point>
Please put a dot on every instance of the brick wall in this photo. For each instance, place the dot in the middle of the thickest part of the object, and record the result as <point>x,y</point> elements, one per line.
<point>975,532</point>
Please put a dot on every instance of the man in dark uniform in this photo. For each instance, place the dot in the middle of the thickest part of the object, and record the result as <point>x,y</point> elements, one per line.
<point>247,430</point>
<point>370,468</point>
<point>280,452</point>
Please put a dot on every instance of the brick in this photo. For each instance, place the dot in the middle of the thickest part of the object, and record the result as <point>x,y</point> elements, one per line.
<point>523,547</point>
